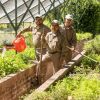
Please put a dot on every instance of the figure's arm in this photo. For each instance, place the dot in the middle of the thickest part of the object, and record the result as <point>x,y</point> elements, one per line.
<point>74,39</point>
<point>24,30</point>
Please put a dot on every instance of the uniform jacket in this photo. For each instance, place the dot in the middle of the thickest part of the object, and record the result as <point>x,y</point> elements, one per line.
<point>70,36</point>
<point>37,32</point>
<point>56,43</point>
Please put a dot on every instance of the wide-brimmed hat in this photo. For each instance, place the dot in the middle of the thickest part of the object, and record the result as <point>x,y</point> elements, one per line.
<point>68,16</point>
<point>38,16</point>
<point>55,22</point>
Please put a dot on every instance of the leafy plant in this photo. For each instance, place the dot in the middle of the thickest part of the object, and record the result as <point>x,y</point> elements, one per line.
<point>13,62</point>
<point>28,38</point>
<point>93,46</point>
<point>79,87</point>
<point>11,65</point>
<point>83,36</point>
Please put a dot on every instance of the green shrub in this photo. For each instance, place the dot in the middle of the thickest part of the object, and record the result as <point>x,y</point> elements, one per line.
<point>91,63</point>
<point>28,54</point>
<point>79,87</point>
<point>85,12</point>
<point>11,65</point>
<point>93,46</point>
<point>91,17</point>
<point>40,96</point>
<point>83,36</point>
<point>28,38</point>
<point>13,62</point>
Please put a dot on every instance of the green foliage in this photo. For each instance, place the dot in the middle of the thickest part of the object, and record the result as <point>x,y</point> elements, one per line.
<point>94,45</point>
<point>79,87</point>
<point>11,65</point>
<point>90,63</point>
<point>82,88</point>
<point>28,54</point>
<point>83,36</point>
<point>85,12</point>
<point>13,62</point>
<point>2,26</point>
<point>1,46</point>
<point>58,92</point>
<point>47,22</point>
<point>93,51</point>
<point>28,38</point>
<point>40,96</point>
<point>88,89</point>
<point>91,17</point>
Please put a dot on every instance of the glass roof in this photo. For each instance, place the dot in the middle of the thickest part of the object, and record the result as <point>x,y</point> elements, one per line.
<point>9,6</point>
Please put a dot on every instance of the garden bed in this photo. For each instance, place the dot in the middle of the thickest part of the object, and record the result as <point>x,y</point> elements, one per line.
<point>25,77</point>
<point>12,62</point>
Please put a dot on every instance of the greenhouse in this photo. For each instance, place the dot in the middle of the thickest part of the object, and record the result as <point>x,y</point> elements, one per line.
<point>49,50</point>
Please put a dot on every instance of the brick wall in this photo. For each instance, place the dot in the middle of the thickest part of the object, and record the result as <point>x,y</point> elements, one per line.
<point>14,85</point>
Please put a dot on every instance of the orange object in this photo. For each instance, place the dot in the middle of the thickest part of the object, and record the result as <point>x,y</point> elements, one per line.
<point>19,43</point>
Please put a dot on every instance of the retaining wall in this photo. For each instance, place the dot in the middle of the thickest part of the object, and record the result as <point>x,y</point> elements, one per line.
<point>14,85</point>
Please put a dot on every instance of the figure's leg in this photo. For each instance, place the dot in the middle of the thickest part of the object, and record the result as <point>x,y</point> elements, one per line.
<point>42,68</point>
<point>68,56</point>
<point>56,62</point>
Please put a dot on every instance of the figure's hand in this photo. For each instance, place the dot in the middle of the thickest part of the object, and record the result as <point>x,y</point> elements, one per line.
<point>19,34</point>
<point>72,49</point>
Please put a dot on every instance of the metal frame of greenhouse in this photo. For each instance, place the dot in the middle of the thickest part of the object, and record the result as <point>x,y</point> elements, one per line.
<point>17,11</point>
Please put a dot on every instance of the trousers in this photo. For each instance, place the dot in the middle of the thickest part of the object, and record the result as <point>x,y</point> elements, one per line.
<point>43,66</point>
